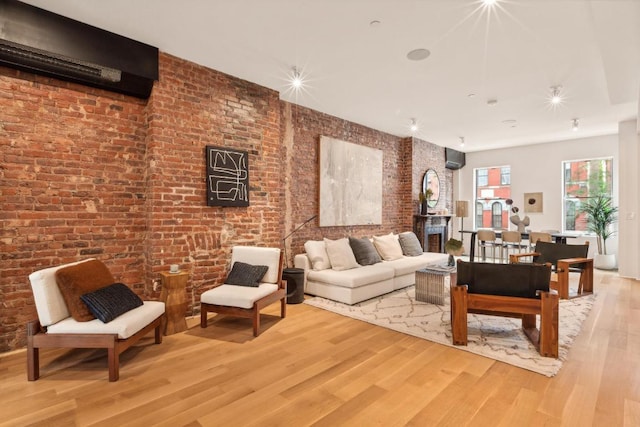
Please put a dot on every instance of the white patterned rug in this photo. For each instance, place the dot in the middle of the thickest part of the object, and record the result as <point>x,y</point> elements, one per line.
<point>495,337</point>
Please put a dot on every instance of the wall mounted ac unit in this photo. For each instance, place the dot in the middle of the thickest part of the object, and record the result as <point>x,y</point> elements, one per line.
<point>35,40</point>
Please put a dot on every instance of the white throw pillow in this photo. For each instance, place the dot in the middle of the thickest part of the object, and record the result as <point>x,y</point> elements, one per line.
<point>340,254</point>
<point>388,246</point>
<point>317,252</point>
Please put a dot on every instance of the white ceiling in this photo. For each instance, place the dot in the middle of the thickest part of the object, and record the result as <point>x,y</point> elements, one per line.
<point>513,53</point>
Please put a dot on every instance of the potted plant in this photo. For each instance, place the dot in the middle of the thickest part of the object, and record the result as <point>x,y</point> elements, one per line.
<point>453,247</point>
<point>424,198</point>
<point>601,215</point>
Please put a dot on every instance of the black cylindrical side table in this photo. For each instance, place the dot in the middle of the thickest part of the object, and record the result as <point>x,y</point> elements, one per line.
<point>295,284</point>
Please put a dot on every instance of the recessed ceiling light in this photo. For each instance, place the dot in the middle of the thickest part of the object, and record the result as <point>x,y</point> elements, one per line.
<point>374,23</point>
<point>489,2</point>
<point>511,122</point>
<point>418,54</point>
<point>471,95</point>
<point>492,102</point>
<point>296,79</point>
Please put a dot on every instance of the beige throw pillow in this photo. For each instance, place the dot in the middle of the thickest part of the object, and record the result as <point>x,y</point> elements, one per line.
<point>388,246</point>
<point>340,254</point>
<point>317,252</point>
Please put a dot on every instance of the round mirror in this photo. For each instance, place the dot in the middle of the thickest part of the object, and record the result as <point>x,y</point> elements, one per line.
<point>431,182</point>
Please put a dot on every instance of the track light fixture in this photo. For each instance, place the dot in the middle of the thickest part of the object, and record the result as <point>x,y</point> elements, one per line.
<point>462,141</point>
<point>575,123</point>
<point>555,95</point>
<point>296,79</point>
<point>414,125</point>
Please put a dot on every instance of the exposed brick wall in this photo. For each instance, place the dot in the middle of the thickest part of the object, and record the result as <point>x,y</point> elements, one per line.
<point>192,107</point>
<point>72,186</point>
<point>86,172</point>
<point>426,155</point>
<point>402,174</point>
<point>92,173</point>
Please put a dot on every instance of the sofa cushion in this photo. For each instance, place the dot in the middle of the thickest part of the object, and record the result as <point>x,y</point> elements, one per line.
<point>364,251</point>
<point>124,326</point>
<point>79,279</point>
<point>317,253</point>
<point>340,254</point>
<point>355,277</point>
<point>410,244</point>
<point>111,301</point>
<point>243,274</point>
<point>237,296</point>
<point>388,247</point>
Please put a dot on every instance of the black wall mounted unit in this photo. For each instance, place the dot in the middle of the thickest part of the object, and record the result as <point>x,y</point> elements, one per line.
<point>454,159</point>
<point>42,42</point>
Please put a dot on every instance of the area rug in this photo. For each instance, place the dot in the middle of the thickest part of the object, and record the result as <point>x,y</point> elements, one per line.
<point>495,337</point>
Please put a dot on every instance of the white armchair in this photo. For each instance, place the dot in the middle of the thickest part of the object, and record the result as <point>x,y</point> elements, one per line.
<point>253,289</point>
<point>56,326</point>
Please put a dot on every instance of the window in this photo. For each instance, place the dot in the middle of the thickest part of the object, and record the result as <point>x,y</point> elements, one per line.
<point>496,215</point>
<point>482,177</point>
<point>584,179</point>
<point>492,189</point>
<point>505,176</point>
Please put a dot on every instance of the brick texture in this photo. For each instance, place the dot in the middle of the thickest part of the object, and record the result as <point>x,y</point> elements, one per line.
<point>89,173</point>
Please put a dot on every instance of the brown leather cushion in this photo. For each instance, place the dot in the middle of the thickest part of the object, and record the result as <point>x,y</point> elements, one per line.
<point>77,280</point>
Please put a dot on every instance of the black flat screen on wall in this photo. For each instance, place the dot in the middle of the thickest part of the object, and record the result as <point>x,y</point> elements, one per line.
<point>454,159</point>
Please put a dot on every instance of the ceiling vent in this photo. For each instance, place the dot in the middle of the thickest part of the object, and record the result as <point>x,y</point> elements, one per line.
<point>42,42</point>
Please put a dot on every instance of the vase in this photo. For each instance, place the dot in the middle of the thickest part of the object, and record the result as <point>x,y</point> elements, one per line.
<point>424,208</point>
<point>604,262</point>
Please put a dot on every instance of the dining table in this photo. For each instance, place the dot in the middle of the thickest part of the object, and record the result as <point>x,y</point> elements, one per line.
<point>557,237</point>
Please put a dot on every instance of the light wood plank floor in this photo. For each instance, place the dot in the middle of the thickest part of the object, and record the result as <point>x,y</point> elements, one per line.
<point>318,368</point>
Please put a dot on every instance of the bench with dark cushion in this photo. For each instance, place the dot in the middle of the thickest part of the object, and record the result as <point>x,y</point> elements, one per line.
<point>511,290</point>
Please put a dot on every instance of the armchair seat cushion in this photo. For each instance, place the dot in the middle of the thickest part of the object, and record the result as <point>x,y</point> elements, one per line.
<point>237,296</point>
<point>124,325</point>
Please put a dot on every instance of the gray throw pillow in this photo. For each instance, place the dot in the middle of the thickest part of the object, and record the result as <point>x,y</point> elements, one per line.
<point>364,251</point>
<point>243,274</point>
<point>111,301</point>
<point>410,244</point>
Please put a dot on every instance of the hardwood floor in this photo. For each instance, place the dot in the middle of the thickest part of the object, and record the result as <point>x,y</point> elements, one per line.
<point>318,368</point>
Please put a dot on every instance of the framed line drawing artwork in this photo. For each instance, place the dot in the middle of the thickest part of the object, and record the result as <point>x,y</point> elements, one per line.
<point>227,177</point>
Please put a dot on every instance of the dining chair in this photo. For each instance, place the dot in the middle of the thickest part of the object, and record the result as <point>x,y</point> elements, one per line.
<point>511,240</point>
<point>487,239</point>
<point>538,236</point>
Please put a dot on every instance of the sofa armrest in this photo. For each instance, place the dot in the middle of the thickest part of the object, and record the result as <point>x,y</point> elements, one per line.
<point>302,261</point>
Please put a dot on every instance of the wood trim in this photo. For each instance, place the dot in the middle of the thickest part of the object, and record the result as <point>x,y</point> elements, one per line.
<point>37,338</point>
<point>545,339</point>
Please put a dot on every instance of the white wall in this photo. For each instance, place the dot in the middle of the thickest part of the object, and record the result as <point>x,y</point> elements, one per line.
<point>629,213</point>
<point>538,168</point>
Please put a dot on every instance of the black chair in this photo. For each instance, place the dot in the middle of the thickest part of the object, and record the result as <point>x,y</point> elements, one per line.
<point>564,259</point>
<point>511,290</point>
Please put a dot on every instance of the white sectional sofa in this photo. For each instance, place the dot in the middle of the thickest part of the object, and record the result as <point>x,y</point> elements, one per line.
<point>395,270</point>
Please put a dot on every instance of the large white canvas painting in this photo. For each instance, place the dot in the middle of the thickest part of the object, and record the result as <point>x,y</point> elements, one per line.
<point>350,183</point>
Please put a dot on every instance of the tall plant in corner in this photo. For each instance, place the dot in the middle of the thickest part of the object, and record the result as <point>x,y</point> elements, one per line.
<point>601,215</point>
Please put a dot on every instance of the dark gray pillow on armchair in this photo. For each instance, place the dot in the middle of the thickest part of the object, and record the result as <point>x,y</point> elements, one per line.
<point>243,274</point>
<point>364,251</point>
<point>410,244</point>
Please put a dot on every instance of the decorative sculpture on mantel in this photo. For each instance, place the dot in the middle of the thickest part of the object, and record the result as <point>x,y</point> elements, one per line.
<point>515,218</point>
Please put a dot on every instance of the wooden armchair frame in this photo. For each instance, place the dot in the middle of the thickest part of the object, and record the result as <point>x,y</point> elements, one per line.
<point>253,312</point>
<point>563,266</point>
<point>37,338</point>
<point>546,306</point>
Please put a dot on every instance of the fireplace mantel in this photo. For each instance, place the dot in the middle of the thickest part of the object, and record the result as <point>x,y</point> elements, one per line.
<point>432,231</point>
